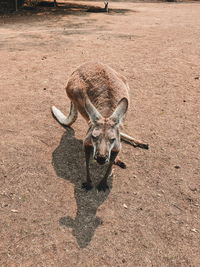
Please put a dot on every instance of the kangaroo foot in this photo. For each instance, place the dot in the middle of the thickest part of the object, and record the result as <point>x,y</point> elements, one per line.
<point>87,186</point>
<point>102,186</point>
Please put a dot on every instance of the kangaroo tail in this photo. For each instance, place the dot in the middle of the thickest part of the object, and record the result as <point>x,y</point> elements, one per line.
<point>70,119</point>
<point>132,141</point>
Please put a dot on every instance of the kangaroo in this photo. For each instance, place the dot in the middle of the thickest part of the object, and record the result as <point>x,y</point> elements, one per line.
<point>100,94</point>
<point>106,5</point>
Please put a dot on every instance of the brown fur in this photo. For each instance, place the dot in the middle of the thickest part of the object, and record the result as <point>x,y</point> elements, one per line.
<point>103,85</point>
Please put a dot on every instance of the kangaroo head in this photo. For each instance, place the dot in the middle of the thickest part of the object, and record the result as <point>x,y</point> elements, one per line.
<point>104,132</point>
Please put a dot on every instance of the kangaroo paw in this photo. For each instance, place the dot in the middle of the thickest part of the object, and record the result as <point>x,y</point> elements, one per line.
<point>120,163</point>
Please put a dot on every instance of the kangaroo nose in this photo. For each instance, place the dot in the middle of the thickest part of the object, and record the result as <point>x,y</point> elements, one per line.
<point>102,160</point>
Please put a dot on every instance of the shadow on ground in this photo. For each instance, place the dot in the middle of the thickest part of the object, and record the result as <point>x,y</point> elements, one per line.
<point>46,10</point>
<point>69,163</point>
<point>69,8</point>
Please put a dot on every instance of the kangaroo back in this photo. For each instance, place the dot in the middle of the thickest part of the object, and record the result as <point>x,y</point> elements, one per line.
<point>101,84</point>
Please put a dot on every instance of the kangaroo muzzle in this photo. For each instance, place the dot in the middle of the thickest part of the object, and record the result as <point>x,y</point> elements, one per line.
<point>101,159</point>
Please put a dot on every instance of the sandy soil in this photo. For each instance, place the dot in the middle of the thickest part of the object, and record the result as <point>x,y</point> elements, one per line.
<point>46,218</point>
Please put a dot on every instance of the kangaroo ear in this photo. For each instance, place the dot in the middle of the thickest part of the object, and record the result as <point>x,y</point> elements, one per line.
<point>120,111</point>
<point>92,112</point>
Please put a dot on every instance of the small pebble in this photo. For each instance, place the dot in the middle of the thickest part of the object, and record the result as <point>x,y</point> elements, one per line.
<point>177,167</point>
<point>15,211</point>
<point>194,230</point>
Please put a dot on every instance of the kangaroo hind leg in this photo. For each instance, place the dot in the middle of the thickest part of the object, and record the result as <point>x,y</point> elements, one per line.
<point>62,119</point>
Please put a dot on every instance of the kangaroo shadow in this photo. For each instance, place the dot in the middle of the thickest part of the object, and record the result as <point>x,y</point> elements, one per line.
<point>69,163</point>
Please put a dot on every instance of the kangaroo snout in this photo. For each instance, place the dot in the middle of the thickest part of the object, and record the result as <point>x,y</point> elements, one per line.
<point>101,159</point>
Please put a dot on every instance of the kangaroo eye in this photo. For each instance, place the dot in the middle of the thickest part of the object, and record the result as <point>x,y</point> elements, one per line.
<point>94,137</point>
<point>112,140</point>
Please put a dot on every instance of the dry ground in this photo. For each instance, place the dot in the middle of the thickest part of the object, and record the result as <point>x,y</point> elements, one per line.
<point>46,218</point>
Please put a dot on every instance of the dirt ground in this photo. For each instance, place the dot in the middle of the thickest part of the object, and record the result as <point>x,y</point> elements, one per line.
<point>46,218</point>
